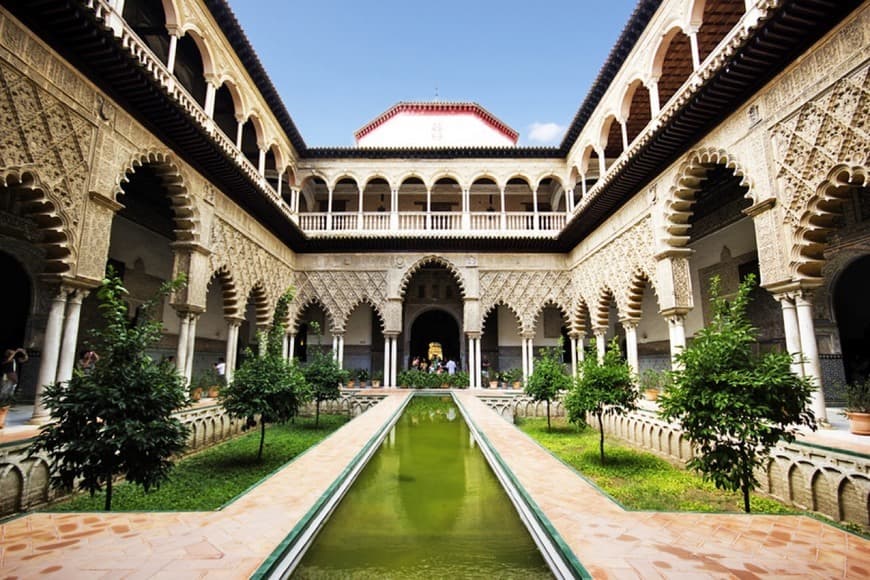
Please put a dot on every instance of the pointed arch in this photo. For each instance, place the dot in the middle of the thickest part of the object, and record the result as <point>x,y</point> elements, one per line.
<point>689,180</point>
<point>432,259</point>
<point>548,303</point>
<point>184,209</point>
<point>44,207</point>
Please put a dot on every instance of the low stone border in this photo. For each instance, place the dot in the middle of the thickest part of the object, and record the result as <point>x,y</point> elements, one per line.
<point>831,482</point>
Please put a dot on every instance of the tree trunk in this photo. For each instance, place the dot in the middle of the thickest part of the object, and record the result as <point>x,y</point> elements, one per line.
<point>262,439</point>
<point>108,506</point>
<point>745,498</point>
<point>548,415</point>
<point>317,414</point>
<point>601,439</point>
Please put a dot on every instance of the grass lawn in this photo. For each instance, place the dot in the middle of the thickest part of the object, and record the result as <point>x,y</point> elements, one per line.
<point>637,479</point>
<point>210,478</point>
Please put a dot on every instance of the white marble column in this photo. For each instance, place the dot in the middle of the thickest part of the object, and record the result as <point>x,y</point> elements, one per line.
<point>600,343</point>
<point>181,348</point>
<point>329,208</point>
<point>394,349</point>
<point>525,356</point>
<point>693,44</point>
<point>232,347</point>
<point>70,335</point>
<point>573,338</point>
<point>581,348</point>
<point>173,50</point>
<point>531,353</point>
<point>387,365</point>
<point>284,345</point>
<point>630,327</point>
<point>50,354</point>
<point>812,366</point>
<point>291,346</point>
<point>341,351</point>
<point>479,361</point>
<point>677,335</point>
<point>191,347</point>
<point>792,332</point>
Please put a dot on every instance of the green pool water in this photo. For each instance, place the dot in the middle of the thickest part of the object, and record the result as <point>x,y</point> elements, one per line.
<point>426,506</point>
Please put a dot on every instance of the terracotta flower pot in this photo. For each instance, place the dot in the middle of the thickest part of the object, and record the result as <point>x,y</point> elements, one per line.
<point>3,412</point>
<point>651,394</point>
<point>859,423</point>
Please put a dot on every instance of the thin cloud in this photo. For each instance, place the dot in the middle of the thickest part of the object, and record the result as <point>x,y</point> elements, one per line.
<point>545,133</point>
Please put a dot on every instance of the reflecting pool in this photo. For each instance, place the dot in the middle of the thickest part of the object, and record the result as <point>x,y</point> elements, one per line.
<point>426,506</point>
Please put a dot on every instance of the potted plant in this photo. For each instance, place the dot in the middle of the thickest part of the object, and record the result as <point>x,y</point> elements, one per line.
<point>858,407</point>
<point>493,379</point>
<point>363,376</point>
<point>652,383</point>
<point>459,380</point>
<point>377,378</point>
<point>351,378</point>
<point>514,377</point>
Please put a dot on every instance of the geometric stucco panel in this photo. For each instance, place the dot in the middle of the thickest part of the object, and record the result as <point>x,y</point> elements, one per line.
<point>340,292</point>
<point>617,267</point>
<point>525,292</point>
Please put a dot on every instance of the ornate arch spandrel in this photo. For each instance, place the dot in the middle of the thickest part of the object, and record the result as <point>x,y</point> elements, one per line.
<point>341,291</point>
<point>526,290</point>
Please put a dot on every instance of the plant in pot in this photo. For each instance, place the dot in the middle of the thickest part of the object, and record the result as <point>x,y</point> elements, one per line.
<point>493,378</point>
<point>858,406</point>
<point>352,377</point>
<point>653,383</point>
<point>376,379</point>
<point>514,377</point>
<point>459,380</point>
<point>363,376</point>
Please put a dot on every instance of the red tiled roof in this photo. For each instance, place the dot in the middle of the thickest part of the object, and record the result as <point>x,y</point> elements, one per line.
<point>440,107</point>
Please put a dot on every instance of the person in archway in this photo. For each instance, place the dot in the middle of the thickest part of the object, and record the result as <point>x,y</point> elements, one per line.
<point>9,368</point>
<point>484,367</point>
<point>451,366</point>
<point>88,361</point>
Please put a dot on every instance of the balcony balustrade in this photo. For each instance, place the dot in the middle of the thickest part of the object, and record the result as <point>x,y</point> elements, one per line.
<point>524,224</point>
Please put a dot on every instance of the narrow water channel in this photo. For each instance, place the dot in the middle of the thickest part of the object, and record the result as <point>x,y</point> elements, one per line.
<point>426,506</point>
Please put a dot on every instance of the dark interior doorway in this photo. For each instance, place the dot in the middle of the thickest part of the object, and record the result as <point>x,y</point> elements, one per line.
<point>17,303</point>
<point>435,326</point>
<point>853,318</point>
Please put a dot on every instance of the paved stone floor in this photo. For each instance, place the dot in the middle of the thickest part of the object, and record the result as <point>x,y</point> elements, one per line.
<point>610,542</point>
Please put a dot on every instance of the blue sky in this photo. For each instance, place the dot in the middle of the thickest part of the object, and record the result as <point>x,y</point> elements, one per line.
<point>339,64</point>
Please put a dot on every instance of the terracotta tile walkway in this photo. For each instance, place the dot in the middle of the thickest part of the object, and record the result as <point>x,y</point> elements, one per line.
<point>613,543</point>
<point>230,543</point>
<point>610,542</point>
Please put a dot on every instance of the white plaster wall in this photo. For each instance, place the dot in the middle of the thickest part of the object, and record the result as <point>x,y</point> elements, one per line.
<point>211,323</point>
<point>740,239</point>
<point>652,327</point>
<point>358,330</point>
<point>508,329</point>
<point>431,130</point>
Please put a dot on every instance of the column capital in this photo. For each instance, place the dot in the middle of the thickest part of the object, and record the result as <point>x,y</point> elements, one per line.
<point>473,335</point>
<point>629,322</point>
<point>678,313</point>
<point>674,253</point>
<point>234,320</point>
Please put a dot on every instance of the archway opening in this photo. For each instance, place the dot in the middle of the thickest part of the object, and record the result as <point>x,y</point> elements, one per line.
<point>17,290</point>
<point>433,331</point>
<point>853,318</point>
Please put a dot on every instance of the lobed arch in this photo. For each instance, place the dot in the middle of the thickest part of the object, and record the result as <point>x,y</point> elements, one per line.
<point>184,209</point>
<point>550,302</point>
<point>376,308</point>
<point>690,176</point>
<point>600,315</point>
<point>819,219</point>
<point>494,307</point>
<point>432,259</point>
<point>262,308</point>
<point>40,204</point>
<point>640,284</point>
<point>580,318</point>
<point>229,291</point>
<point>313,300</point>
